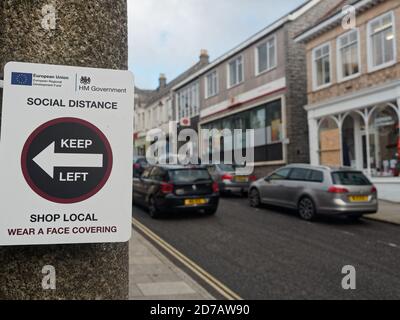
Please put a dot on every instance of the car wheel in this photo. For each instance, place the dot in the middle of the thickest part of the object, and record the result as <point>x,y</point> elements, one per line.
<point>307,209</point>
<point>254,198</point>
<point>153,210</point>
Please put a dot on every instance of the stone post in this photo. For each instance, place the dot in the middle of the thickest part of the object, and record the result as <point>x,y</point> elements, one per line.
<point>78,33</point>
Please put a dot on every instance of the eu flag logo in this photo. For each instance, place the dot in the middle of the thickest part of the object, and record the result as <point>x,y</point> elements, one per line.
<point>21,79</point>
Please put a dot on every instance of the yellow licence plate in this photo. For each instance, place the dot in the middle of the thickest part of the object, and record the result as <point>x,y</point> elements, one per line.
<point>241,179</point>
<point>359,198</point>
<point>195,202</point>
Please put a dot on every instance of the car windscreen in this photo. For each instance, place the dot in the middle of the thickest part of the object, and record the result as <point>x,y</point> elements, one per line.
<point>189,175</point>
<point>142,161</point>
<point>350,178</point>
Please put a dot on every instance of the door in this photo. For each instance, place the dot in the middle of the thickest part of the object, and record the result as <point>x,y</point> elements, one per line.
<point>140,186</point>
<point>272,188</point>
<point>373,149</point>
<point>294,186</point>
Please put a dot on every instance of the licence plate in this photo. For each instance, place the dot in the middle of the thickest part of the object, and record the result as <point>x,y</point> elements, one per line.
<point>195,202</point>
<point>358,198</point>
<point>241,179</point>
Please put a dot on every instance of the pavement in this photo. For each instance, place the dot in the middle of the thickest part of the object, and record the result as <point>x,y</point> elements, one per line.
<point>153,277</point>
<point>269,253</point>
<point>388,212</point>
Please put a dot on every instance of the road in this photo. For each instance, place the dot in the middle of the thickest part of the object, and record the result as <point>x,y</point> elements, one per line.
<point>269,253</point>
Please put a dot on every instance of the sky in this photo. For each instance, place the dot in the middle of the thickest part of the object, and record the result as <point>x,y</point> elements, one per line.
<point>166,36</point>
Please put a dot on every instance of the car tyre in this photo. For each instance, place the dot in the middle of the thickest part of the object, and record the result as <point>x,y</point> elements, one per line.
<point>254,198</point>
<point>153,210</point>
<point>306,209</point>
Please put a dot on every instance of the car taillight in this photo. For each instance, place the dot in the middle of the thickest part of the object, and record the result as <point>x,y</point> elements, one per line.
<point>337,190</point>
<point>252,178</point>
<point>215,187</point>
<point>227,177</point>
<point>167,188</point>
<point>374,190</point>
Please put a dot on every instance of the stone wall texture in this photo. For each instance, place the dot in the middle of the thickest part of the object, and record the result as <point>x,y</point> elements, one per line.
<point>296,78</point>
<point>91,34</point>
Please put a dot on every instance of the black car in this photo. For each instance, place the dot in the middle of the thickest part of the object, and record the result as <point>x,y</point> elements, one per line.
<point>176,188</point>
<point>139,165</point>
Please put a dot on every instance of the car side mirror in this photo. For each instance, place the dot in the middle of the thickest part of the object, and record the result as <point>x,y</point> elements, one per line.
<point>267,179</point>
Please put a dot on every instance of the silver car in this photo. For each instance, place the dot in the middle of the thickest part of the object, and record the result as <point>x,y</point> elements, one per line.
<point>314,190</point>
<point>227,179</point>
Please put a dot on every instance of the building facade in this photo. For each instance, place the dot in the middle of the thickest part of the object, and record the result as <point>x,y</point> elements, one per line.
<point>261,85</point>
<point>139,137</point>
<point>159,108</point>
<point>354,92</point>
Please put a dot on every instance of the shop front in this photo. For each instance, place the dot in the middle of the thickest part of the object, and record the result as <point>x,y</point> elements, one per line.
<point>361,131</point>
<point>265,118</point>
<point>140,144</point>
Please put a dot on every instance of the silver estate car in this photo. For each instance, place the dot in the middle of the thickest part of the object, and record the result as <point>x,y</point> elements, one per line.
<point>313,190</point>
<point>227,179</point>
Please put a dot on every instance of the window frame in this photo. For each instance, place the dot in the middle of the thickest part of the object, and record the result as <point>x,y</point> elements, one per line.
<point>314,69</point>
<point>257,55</point>
<point>276,173</point>
<point>371,67</point>
<point>229,86</point>
<point>339,61</point>
<point>206,93</point>
<point>189,100</point>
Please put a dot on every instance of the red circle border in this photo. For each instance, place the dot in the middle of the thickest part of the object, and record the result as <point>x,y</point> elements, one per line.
<point>33,186</point>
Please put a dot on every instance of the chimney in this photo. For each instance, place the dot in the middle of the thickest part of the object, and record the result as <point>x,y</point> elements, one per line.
<point>204,57</point>
<point>162,81</point>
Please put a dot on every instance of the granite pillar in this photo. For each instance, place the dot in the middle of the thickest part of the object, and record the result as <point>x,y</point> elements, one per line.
<point>84,33</point>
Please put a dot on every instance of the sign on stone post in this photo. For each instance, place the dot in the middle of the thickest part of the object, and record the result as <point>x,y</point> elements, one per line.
<point>68,33</point>
<point>67,143</point>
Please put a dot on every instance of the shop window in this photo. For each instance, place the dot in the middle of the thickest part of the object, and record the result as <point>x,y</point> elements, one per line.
<point>266,120</point>
<point>274,122</point>
<point>384,142</point>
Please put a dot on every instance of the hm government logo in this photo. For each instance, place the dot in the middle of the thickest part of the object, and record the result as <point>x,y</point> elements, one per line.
<point>21,79</point>
<point>85,80</point>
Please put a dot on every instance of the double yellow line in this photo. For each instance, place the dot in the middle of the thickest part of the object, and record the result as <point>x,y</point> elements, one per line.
<point>200,272</point>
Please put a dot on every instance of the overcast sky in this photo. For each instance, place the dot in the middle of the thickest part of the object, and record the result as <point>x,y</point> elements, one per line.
<point>165,36</point>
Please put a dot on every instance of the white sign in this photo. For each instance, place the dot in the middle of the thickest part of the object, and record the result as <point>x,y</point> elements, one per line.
<point>185,122</point>
<point>66,155</point>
